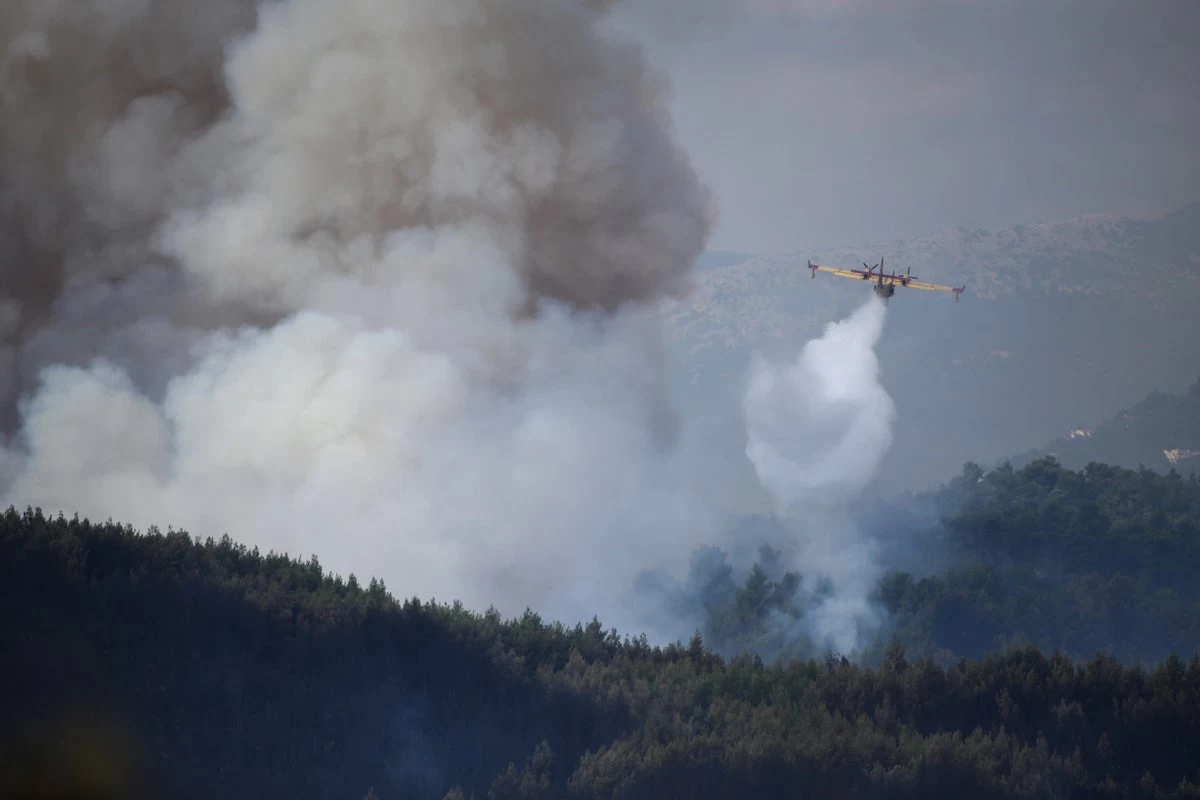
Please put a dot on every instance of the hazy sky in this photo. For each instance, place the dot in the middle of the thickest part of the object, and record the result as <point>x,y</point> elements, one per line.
<point>835,122</point>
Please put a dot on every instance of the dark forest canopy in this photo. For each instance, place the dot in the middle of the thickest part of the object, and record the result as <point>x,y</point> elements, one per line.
<point>222,671</point>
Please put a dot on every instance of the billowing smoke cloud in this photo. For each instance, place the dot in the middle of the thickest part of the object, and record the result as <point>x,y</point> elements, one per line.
<point>376,280</point>
<point>369,279</point>
<point>817,430</point>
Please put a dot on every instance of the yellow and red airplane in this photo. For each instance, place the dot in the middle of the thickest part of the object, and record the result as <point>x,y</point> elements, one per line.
<point>885,283</point>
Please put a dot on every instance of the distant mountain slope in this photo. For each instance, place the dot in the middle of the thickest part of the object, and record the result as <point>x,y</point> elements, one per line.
<point>1161,432</point>
<point>1061,321</point>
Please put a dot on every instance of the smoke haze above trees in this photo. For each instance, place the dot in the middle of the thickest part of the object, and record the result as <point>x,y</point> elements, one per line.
<point>380,268</point>
<point>375,262</point>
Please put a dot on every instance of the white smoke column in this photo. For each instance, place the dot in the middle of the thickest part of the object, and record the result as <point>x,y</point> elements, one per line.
<point>370,279</point>
<point>817,431</point>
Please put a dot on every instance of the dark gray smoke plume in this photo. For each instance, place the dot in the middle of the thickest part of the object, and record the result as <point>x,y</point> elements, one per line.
<point>377,280</point>
<point>374,279</point>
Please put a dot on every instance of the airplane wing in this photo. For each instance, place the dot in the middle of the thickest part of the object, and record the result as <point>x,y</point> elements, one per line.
<point>871,275</point>
<point>936,287</point>
<point>845,273</point>
<point>930,287</point>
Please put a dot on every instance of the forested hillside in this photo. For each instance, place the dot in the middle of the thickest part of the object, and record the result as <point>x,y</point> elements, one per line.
<point>1103,559</point>
<point>226,672</point>
<point>1100,559</point>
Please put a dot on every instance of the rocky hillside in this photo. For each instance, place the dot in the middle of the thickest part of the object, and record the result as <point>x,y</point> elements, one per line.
<point>1061,322</point>
<point>1162,432</point>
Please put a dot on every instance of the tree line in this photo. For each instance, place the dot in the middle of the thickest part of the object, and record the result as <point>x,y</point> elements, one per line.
<point>144,664</point>
<point>1102,559</point>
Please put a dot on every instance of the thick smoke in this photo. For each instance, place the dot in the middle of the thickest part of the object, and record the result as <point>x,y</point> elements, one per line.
<point>370,279</point>
<point>377,280</point>
<point>817,431</point>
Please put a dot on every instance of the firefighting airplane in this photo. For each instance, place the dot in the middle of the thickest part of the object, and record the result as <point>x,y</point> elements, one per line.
<point>885,283</point>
